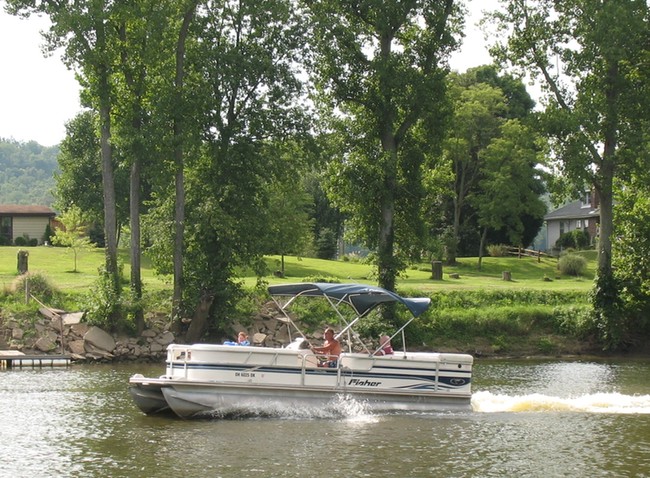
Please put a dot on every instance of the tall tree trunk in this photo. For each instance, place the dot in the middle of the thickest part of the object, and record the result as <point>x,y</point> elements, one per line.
<point>108,182</point>
<point>135,151</point>
<point>607,170</point>
<point>179,210</point>
<point>386,263</point>
<point>134,212</point>
<point>481,246</point>
<point>199,319</point>
<point>451,252</point>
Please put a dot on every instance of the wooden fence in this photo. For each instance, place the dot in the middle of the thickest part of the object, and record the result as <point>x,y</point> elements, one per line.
<point>521,252</point>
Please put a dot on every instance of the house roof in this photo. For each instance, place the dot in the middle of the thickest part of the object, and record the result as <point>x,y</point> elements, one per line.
<point>573,210</point>
<point>21,210</point>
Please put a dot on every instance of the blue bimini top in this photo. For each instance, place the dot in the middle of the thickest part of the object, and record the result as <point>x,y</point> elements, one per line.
<point>361,297</point>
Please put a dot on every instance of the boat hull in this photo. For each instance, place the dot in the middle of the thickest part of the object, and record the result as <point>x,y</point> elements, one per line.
<point>148,397</point>
<point>218,399</point>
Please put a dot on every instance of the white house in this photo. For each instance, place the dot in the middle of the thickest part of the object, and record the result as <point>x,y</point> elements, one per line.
<point>23,221</point>
<point>583,214</point>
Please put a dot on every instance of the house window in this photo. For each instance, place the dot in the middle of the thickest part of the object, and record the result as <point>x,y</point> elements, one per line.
<point>586,199</point>
<point>5,230</point>
<point>561,227</point>
<point>578,223</point>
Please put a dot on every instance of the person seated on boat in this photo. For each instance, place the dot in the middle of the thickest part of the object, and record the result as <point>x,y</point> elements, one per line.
<point>242,339</point>
<point>386,347</point>
<point>331,348</point>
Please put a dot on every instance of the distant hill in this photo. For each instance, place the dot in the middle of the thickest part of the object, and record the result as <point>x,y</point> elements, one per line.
<point>27,172</point>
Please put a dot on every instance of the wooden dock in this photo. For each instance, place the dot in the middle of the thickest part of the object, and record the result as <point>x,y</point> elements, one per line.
<point>16,359</point>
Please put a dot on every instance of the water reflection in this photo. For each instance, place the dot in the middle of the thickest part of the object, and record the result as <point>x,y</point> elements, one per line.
<point>533,419</point>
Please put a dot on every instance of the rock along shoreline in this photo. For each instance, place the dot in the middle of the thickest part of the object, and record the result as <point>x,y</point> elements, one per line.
<point>60,333</point>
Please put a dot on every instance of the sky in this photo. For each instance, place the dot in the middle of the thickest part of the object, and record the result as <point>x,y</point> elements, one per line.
<point>39,95</point>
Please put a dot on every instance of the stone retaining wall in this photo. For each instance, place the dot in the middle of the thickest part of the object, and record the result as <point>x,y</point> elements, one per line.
<point>58,332</point>
<point>67,334</point>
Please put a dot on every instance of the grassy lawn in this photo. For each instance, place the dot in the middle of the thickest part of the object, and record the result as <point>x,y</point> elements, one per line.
<point>527,273</point>
<point>57,264</point>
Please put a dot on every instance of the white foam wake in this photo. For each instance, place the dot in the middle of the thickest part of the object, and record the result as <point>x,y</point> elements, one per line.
<point>488,402</point>
<point>340,407</point>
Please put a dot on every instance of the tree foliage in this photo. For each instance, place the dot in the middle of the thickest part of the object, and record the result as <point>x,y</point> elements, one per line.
<point>382,65</point>
<point>73,234</point>
<point>241,96</point>
<point>509,196</point>
<point>632,263</point>
<point>491,154</point>
<point>587,54</point>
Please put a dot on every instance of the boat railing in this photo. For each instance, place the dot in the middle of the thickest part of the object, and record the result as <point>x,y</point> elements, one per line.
<point>311,361</point>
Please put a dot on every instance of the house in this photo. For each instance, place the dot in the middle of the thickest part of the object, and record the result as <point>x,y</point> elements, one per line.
<point>29,222</point>
<point>582,214</point>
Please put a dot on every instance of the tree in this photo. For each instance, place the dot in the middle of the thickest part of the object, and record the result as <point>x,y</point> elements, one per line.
<point>511,189</point>
<point>477,117</point>
<point>87,33</point>
<point>141,27</point>
<point>381,64</point>
<point>73,232</point>
<point>483,101</point>
<point>290,228</point>
<point>585,53</point>
<point>79,179</point>
<point>239,106</point>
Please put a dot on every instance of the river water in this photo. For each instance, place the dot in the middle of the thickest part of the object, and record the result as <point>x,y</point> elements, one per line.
<point>530,419</point>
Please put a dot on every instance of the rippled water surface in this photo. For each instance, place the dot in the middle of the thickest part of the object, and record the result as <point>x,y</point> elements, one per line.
<point>530,419</point>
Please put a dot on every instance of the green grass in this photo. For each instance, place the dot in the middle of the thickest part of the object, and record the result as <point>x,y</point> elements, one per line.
<point>527,273</point>
<point>57,264</point>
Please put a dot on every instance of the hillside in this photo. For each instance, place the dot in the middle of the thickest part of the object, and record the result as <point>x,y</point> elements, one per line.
<point>27,172</point>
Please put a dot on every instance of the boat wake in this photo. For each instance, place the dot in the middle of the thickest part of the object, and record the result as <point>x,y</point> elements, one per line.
<point>341,407</point>
<point>615,403</point>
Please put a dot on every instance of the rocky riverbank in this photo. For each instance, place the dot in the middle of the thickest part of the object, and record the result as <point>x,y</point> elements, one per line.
<point>60,332</point>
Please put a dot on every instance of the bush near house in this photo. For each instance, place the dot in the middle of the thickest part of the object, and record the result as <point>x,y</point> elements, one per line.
<point>572,264</point>
<point>576,239</point>
<point>24,241</point>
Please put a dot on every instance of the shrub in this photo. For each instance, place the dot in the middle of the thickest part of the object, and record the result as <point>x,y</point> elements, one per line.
<point>326,244</point>
<point>39,286</point>
<point>497,250</point>
<point>576,239</point>
<point>106,307</point>
<point>20,241</point>
<point>575,321</point>
<point>333,280</point>
<point>47,235</point>
<point>572,264</point>
<point>33,242</point>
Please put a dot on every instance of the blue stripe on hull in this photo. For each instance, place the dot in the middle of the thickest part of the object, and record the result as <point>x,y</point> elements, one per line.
<point>461,377</point>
